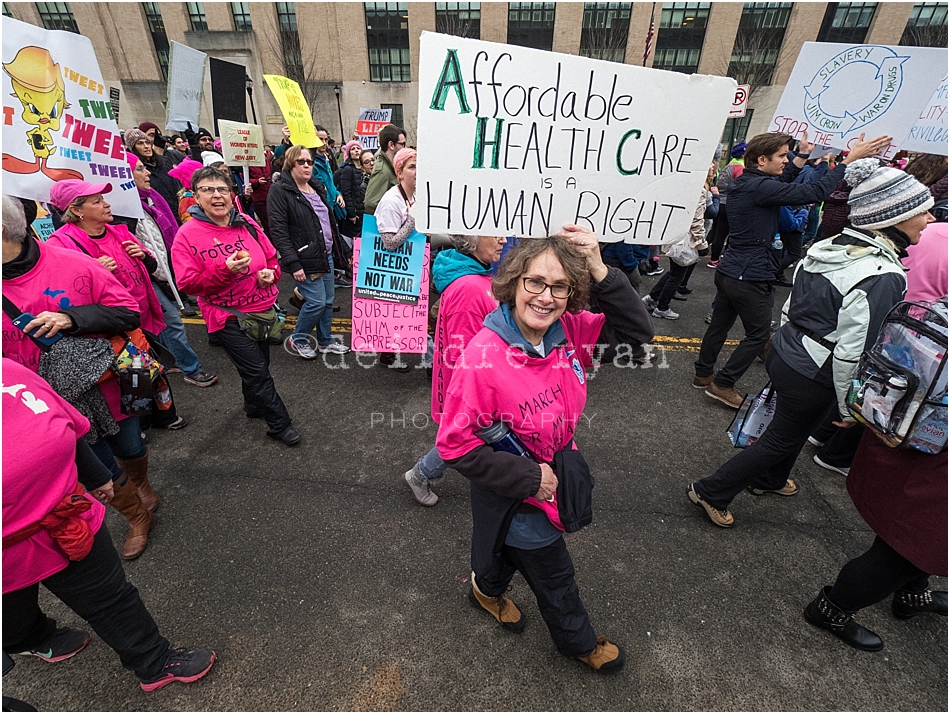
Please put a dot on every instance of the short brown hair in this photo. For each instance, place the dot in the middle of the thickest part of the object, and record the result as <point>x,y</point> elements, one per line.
<point>389,134</point>
<point>293,153</point>
<point>764,145</point>
<point>928,168</point>
<point>505,283</point>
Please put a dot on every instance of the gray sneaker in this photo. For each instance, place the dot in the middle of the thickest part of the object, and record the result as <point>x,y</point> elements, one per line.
<point>422,492</point>
<point>335,348</point>
<point>649,302</point>
<point>666,314</point>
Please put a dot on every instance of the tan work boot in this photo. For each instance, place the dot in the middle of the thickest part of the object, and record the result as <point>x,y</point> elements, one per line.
<point>727,395</point>
<point>128,503</point>
<point>606,657</point>
<point>137,471</point>
<point>501,608</point>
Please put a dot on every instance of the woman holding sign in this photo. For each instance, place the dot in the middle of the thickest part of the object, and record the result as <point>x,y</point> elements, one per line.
<point>395,223</point>
<point>538,345</point>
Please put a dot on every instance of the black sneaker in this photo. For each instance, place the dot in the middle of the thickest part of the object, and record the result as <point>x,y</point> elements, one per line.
<point>179,423</point>
<point>288,436</point>
<point>201,379</point>
<point>62,644</point>
<point>181,666</point>
<point>684,290</point>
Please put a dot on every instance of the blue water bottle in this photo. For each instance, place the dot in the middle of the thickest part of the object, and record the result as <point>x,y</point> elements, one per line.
<point>500,437</point>
<point>777,242</point>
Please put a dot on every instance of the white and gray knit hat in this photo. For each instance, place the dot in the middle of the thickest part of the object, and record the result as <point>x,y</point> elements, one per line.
<point>883,196</point>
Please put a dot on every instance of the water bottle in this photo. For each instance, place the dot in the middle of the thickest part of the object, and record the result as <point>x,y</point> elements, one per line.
<point>777,242</point>
<point>162,393</point>
<point>136,370</point>
<point>500,437</point>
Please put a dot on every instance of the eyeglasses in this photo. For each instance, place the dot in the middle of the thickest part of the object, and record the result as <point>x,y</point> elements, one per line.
<point>209,190</point>
<point>304,162</point>
<point>537,287</point>
<point>369,161</point>
<point>401,143</point>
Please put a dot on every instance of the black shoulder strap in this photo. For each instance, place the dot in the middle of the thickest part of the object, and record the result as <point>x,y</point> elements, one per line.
<point>13,312</point>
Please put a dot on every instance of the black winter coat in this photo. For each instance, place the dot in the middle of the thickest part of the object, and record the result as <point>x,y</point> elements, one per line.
<point>295,229</point>
<point>349,181</point>
<point>166,185</point>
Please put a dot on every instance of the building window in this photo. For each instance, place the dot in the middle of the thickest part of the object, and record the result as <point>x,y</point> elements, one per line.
<point>156,26</point>
<point>57,16</point>
<point>463,19</point>
<point>736,130</point>
<point>605,29</point>
<point>397,115</point>
<point>531,24</point>
<point>242,16</point>
<point>758,42</point>
<point>387,38</point>
<point>927,25</point>
<point>847,22</point>
<point>196,16</point>
<point>290,40</point>
<point>679,42</point>
<point>6,11</point>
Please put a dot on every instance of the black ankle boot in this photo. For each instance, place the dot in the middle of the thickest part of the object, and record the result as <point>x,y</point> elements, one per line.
<point>907,604</point>
<point>823,613</point>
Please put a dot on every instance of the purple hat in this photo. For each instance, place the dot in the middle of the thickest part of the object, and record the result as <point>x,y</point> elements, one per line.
<point>65,192</point>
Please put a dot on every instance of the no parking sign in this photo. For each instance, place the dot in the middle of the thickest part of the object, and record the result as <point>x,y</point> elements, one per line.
<point>740,102</point>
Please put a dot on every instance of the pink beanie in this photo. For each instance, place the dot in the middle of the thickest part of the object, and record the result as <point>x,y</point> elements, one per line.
<point>349,145</point>
<point>402,156</point>
<point>184,171</point>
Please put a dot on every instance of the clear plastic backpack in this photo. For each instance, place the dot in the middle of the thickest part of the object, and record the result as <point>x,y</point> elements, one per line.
<point>899,389</point>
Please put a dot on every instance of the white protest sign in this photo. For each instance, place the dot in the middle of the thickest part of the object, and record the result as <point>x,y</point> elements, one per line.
<point>929,134</point>
<point>368,125</point>
<point>242,144</point>
<point>837,92</point>
<point>186,78</point>
<point>57,118</point>
<point>539,139</point>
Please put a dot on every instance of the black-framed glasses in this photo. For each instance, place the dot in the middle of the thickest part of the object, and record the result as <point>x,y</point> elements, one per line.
<point>369,162</point>
<point>304,162</point>
<point>537,287</point>
<point>209,190</point>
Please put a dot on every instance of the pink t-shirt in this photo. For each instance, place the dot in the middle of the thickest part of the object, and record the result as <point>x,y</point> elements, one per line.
<point>462,309</point>
<point>541,398</point>
<point>198,257</point>
<point>130,272</point>
<point>61,279</point>
<point>927,264</point>
<point>40,430</point>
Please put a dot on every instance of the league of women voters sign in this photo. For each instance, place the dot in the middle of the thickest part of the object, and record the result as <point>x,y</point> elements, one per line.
<point>540,139</point>
<point>58,121</point>
<point>837,92</point>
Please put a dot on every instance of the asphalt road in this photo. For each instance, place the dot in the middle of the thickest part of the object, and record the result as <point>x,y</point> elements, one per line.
<point>324,586</point>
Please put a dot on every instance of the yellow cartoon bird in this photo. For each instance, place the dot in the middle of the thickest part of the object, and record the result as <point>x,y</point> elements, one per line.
<point>38,84</point>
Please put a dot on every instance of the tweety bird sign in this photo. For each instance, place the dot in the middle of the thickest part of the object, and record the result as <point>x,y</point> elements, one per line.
<point>57,118</point>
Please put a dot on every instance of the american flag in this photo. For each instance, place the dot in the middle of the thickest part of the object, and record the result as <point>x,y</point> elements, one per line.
<point>650,33</point>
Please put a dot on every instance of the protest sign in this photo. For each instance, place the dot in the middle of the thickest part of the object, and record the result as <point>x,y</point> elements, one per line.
<point>540,139</point>
<point>837,92</point>
<point>392,275</point>
<point>242,144</point>
<point>295,109</point>
<point>929,133</point>
<point>57,118</point>
<point>369,124</point>
<point>42,225</point>
<point>186,78</point>
<point>382,326</point>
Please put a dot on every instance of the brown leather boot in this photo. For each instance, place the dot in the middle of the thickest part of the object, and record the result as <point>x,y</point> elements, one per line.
<point>606,656</point>
<point>137,471</point>
<point>128,503</point>
<point>501,608</point>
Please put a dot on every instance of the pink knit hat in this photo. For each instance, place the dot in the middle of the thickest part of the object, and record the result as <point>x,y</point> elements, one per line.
<point>349,145</point>
<point>184,171</point>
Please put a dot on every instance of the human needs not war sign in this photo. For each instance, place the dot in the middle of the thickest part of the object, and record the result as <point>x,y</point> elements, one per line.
<point>58,120</point>
<point>540,139</point>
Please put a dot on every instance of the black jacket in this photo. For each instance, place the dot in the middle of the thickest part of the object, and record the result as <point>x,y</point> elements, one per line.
<point>349,181</point>
<point>295,229</point>
<point>166,185</point>
<point>753,212</point>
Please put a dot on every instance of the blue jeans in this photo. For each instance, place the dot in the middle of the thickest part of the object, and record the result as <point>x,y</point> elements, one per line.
<point>431,466</point>
<point>317,310</point>
<point>174,337</point>
<point>128,444</point>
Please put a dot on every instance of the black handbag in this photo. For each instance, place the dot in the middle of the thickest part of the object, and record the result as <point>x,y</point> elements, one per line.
<point>575,487</point>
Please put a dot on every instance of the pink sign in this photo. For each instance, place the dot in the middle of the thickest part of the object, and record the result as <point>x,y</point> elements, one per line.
<point>380,326</point>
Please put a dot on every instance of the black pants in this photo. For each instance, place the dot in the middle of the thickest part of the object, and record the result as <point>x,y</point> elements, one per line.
<point>95,588</point>
<point>793,251</point>
<point>252,361</point>
<point>549,572</point>
<point>749,301</point>
<point>840,445</point>
<point>719,232</point>
<point>667,286</point>
<point>689,272</point>
<point>871,577</point>
<point>799,405</point>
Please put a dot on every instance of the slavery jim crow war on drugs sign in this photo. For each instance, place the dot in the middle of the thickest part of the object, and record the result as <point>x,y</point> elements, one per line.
<point>540,139</point>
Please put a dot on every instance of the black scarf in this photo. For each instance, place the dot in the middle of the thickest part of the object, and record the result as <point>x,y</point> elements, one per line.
<point>24,262</point>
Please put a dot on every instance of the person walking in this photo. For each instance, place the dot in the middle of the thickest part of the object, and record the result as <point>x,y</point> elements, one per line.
<point>744,277</point>
<point>226,260</point>
<point>843,290</point>
<point>303,231</point>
